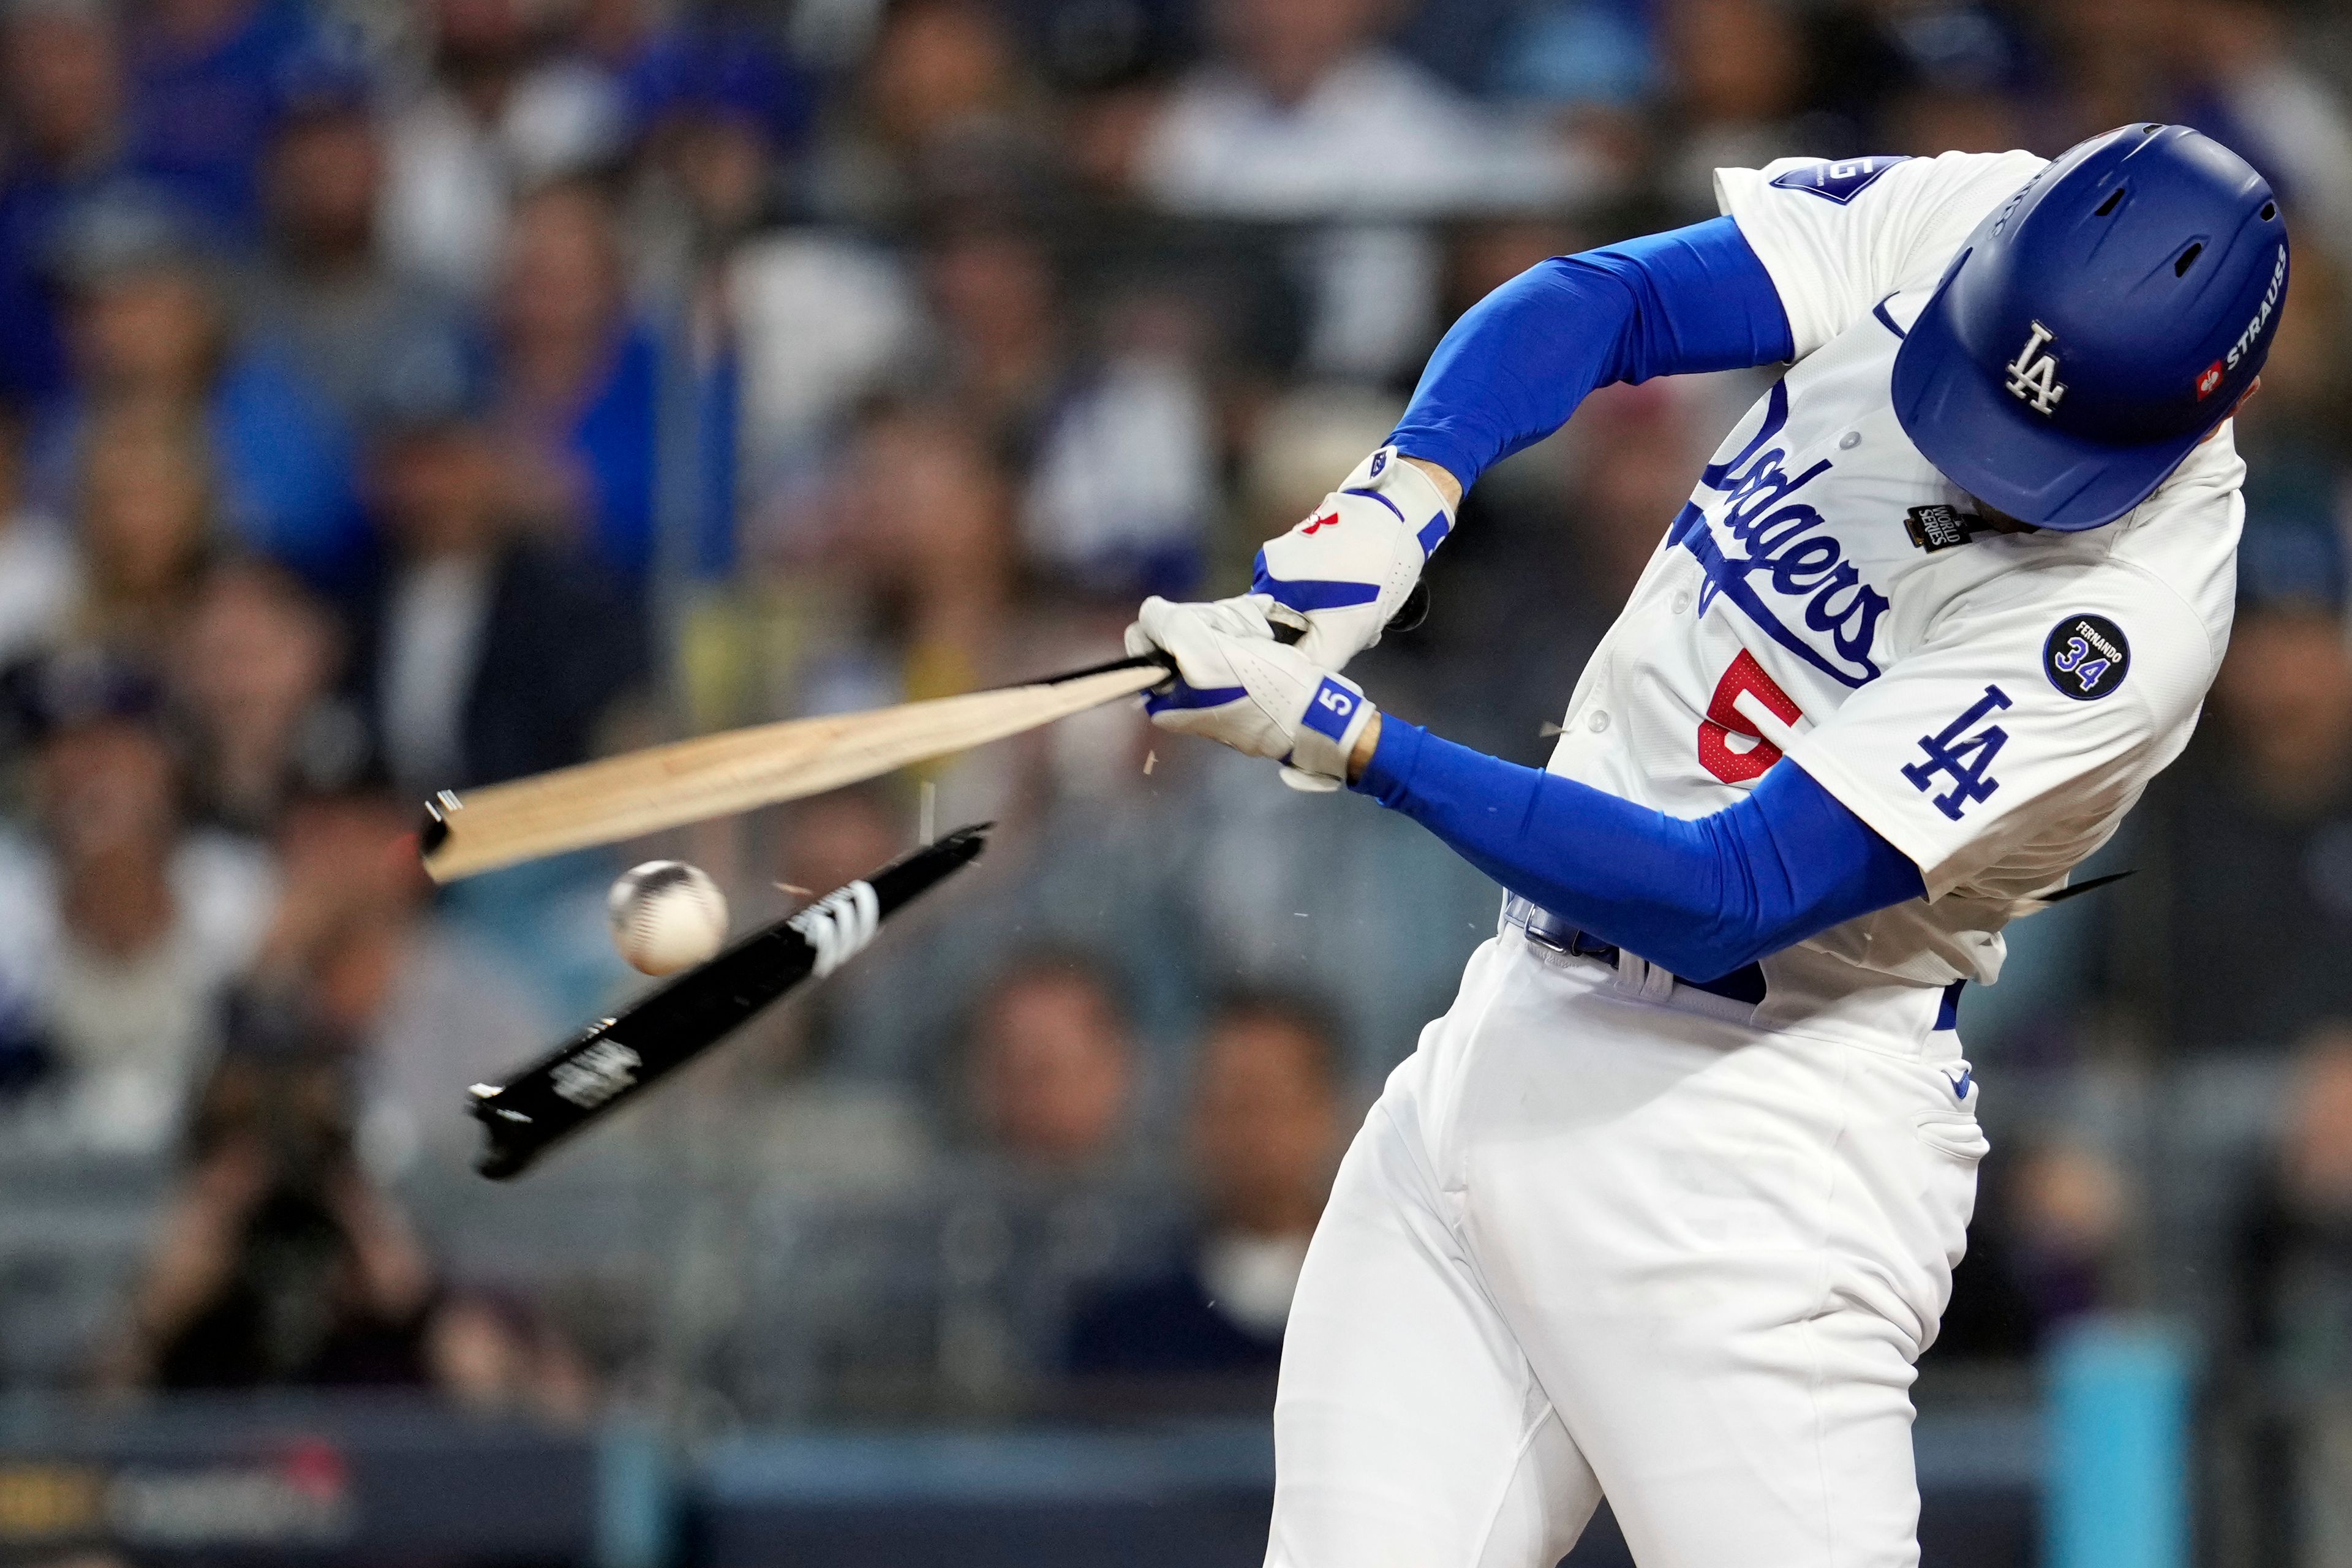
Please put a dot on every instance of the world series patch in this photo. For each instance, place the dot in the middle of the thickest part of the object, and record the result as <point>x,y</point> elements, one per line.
<point>2086,656</point>
<point>1934,528</point>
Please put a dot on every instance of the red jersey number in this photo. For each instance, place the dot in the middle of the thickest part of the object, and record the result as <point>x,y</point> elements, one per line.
<point>1716,754</point>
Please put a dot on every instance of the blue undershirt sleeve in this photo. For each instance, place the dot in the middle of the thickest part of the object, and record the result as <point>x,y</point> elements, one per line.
<point>1517,364</point>
<point>1701,897</point>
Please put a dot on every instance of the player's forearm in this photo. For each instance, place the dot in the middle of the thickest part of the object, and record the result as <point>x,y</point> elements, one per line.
<point>1515,367</point>
<point>1447,485</point>
<point>1702,898</point>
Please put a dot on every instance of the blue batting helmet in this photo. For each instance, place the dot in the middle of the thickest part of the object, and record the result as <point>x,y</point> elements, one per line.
<point>2096,327</point>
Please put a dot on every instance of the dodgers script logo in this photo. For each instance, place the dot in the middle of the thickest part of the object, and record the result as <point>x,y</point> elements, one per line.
<point>1788,552</point>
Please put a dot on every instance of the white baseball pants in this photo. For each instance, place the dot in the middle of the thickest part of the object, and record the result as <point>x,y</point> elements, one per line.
<point>1590,1243</point>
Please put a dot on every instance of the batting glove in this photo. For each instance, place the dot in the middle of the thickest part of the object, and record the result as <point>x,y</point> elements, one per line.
<point>1236,684</point>
<point>1344,574</point>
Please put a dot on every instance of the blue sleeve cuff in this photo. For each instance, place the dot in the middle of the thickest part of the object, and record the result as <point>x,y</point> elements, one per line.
<point>1463,456</point>
<point>1389,775</point>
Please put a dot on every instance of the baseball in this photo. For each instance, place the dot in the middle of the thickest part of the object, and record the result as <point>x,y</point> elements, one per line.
<point>666,916</point>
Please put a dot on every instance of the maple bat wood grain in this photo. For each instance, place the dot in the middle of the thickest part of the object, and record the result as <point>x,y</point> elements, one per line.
<point>668,787</point>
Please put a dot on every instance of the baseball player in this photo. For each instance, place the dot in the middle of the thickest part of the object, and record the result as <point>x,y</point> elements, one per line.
<point>1666,1206</point>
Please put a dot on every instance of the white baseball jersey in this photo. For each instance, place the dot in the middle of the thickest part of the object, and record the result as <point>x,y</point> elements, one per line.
<point>1606,1235</point>
<point>1991,702</point>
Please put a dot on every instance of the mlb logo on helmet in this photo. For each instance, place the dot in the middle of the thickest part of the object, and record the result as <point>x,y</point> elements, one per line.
<point>2096,327</point>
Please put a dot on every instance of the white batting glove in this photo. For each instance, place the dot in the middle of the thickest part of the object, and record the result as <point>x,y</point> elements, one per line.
<point>1236,684</point>
<point>1342,574</point>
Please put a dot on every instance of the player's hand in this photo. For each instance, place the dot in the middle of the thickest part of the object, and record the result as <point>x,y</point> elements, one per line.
<point>1343,574</point>
<point>1236,684</point>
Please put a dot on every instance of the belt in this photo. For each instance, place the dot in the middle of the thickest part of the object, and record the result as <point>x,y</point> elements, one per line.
<point>1546,929</point>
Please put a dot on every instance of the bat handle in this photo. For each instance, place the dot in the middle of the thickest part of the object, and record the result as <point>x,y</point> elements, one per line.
<point>1160,659</point>
<point>1412,612</point>
<point>1285,633</point>
<point>1409,616</point>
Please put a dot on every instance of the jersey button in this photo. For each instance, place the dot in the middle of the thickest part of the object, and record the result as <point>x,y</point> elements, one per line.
<point>1680,602</point>
<point>1849,441</point>
<point>1598,721</point>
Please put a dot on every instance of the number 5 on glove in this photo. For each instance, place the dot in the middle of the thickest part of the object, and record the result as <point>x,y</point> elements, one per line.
<point>1337,714</point>
<point>1237,682</point>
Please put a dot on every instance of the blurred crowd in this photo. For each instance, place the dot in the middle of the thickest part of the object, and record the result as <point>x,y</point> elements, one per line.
<point>399,395</point>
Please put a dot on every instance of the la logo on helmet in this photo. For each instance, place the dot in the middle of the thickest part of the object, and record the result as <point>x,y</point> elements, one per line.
<point>2033,375</point>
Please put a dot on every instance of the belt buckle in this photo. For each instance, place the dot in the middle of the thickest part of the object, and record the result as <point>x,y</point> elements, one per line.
<point>1548,930</point>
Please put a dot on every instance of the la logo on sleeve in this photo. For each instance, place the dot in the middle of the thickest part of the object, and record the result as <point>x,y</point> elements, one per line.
<point>1962,752</point>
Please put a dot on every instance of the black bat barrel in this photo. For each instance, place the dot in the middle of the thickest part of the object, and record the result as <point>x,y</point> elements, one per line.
<point>618,1058</point>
